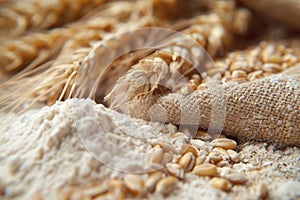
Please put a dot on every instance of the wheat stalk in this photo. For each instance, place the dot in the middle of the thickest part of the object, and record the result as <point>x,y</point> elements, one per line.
<point>30,50</point>
<point>61,73</point>
<point>19,17</point>
<point>35,48</point>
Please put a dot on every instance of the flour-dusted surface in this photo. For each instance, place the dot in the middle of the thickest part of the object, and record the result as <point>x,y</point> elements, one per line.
<point>41,152</point>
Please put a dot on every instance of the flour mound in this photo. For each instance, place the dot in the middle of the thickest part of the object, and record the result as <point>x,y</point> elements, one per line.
<point>47,149</point>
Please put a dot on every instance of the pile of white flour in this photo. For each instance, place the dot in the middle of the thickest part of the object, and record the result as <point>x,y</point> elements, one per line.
<point>42,151</point>
<point>45,150</point>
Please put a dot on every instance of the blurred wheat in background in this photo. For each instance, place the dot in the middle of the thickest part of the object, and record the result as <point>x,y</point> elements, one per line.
<point>47,42</point>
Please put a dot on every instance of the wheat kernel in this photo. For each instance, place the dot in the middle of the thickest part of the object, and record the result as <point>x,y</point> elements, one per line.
<point>206,169</point>
<point>220,183</point>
